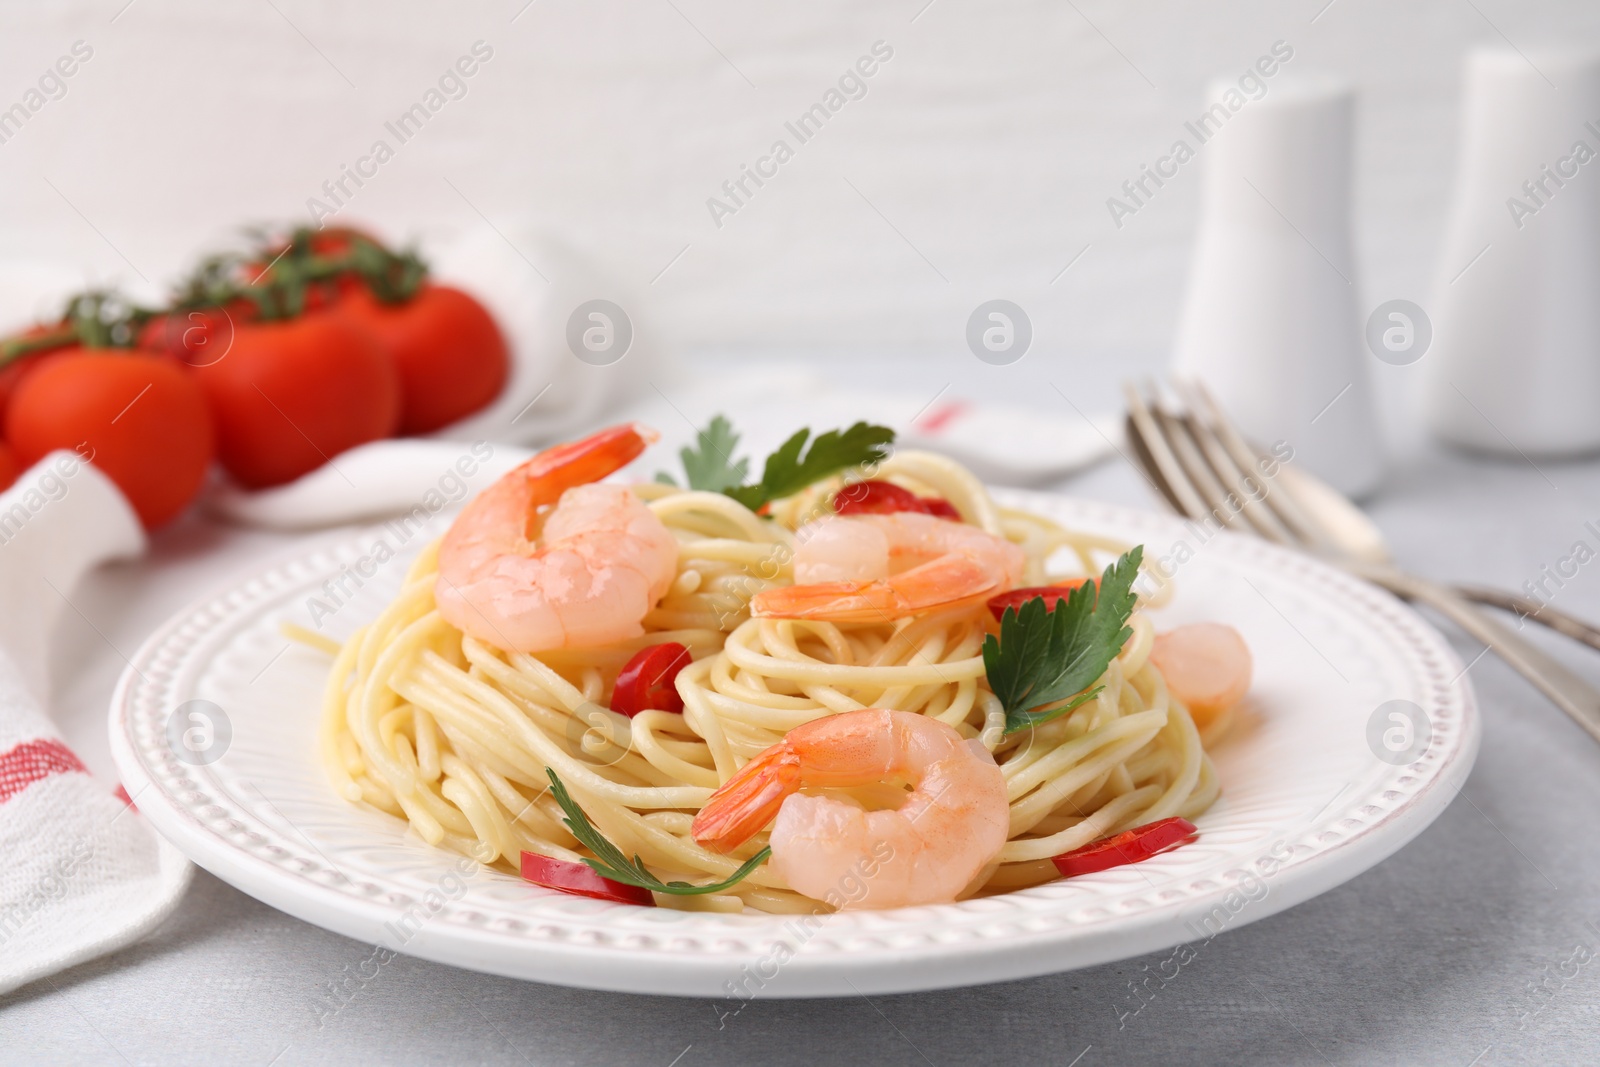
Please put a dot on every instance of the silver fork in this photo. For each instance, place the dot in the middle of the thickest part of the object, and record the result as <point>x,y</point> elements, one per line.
<point>1206,469</point>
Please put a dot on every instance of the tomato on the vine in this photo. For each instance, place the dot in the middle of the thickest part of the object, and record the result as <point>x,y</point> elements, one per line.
<point>450,355</point>
<point>326,266</point>
<point>328,241</point>
<point>12,375</point>
<point>37,343</point>
<point>317,294</point>
<point>196,336</point>
<point>291,394</point>
<point>139,417</point>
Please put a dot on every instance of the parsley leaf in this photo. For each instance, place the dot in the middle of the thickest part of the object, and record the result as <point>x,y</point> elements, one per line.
<point>711,466</point>
<point>612,864</point>
<point>787,471</point>
<point>1045,657</point>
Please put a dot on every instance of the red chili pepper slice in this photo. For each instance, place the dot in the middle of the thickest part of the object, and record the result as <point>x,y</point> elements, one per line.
<point>874,497</point>
<point>647,680</point>
<point>579,879</point>
<point>1052,595</point>
<point>1130,846</point>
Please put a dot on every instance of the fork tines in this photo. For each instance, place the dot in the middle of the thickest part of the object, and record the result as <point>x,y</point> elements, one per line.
<point>1205,468</point>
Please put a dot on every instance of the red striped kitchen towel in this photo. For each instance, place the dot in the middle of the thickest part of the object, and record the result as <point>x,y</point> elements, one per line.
<point>82,873</point>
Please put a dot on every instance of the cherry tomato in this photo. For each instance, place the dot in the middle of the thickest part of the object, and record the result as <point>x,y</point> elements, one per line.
<point>8,468</point>
<point>646,681</point>
<point>139,417</point>
<point>451,356</point>
<point>199,336</point>
<point>1052,595</point>
<point>333,292</point>
<point>1130,846</point>
<point>319,295</point>
<point>875,497</point>
<point>580,880</point>
<point>330,241</point>
<point>292,394</point>
<point>12,375</point>
<point>14,370</point>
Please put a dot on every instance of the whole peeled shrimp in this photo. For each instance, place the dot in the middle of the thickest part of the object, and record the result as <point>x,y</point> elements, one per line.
<point>864,568</point>
<point>1206,665</point>
<point>951,824</point>
<point>586,575</point>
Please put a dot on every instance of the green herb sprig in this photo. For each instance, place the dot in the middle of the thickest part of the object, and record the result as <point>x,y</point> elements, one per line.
<point>793,466</point>
<point>1043,657</point>
<point>711,466</point>
<point>611,863</point>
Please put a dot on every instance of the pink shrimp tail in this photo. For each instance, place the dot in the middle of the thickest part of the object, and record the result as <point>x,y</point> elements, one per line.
<point>960,581</point>
<point>749,800</point>
<point>575,463</point>
<point>589,576</point>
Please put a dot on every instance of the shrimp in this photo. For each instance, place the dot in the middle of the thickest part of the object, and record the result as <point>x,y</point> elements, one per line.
<point>600,562</point>
<point>951,825</point>
<point>1206,666</point>
<point>863,568</point>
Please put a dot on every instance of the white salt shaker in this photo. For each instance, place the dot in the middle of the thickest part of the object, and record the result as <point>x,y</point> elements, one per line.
<point>1270,319</point>
<point>1515,362</point>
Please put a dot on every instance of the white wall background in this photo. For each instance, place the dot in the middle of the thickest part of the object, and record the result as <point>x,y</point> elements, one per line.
<point>981,157</point>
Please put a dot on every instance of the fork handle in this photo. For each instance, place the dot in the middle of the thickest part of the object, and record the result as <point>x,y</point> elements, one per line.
<point>1532,610</point>
<point>1569,692</point>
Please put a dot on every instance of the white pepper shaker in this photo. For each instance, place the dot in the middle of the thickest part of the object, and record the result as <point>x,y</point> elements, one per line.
<point>1515,362</point>
<point>1270,320</point>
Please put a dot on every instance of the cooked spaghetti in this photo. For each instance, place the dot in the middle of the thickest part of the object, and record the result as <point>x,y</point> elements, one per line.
<point>454,735</point>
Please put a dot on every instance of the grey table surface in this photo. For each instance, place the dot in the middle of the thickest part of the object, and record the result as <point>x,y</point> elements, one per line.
<point>1471,946</point>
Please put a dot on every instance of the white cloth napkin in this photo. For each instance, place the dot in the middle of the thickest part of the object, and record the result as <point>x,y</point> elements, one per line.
<point>371,482</point>
<point>534,284</point>
<point>84,874</point>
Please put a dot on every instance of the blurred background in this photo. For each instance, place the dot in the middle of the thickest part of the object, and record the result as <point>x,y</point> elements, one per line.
<point>977,165</point>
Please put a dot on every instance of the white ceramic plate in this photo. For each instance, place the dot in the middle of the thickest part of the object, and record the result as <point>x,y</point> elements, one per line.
<point>1306,803</point>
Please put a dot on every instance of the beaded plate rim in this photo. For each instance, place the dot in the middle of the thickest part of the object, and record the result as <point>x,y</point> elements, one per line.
<point>503,926</point>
